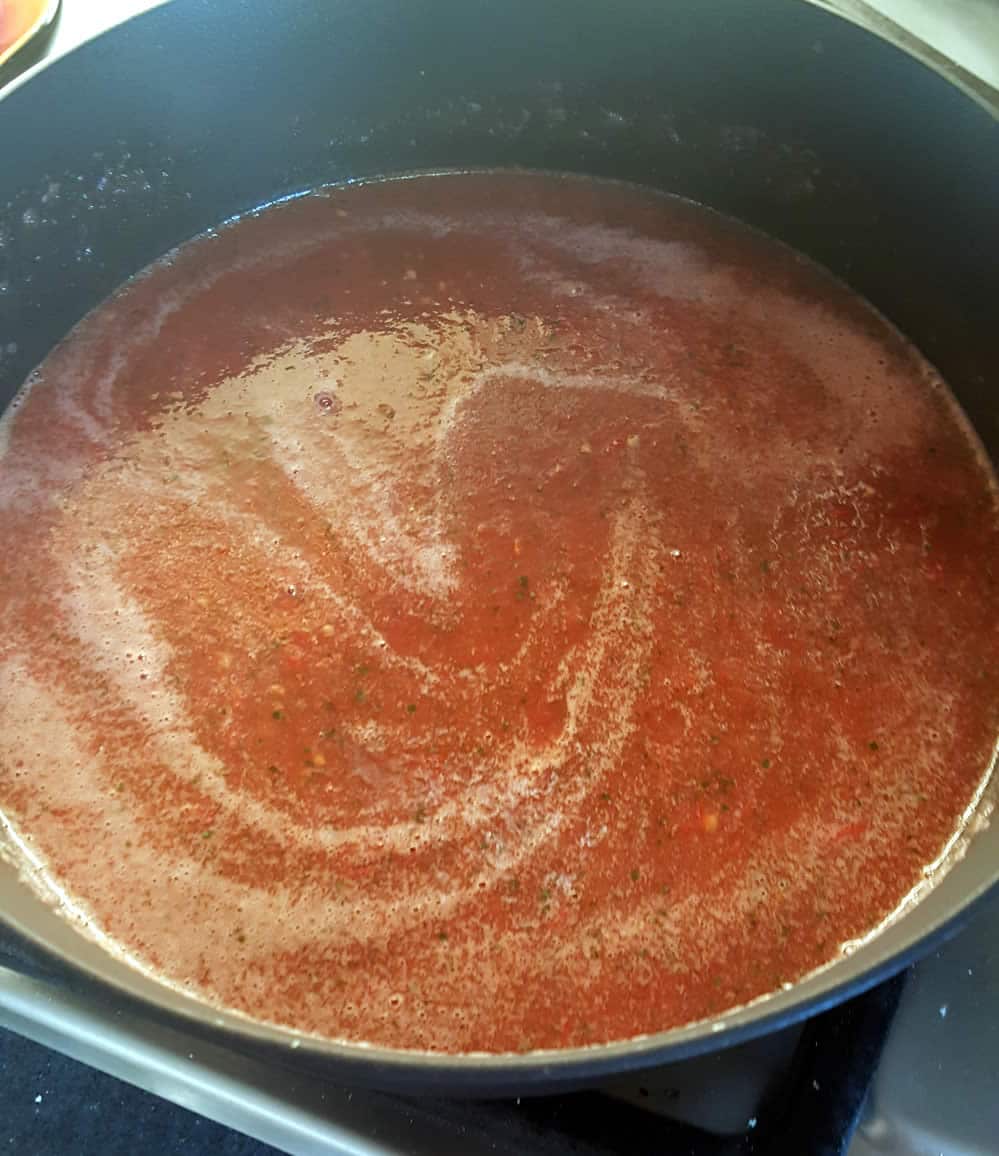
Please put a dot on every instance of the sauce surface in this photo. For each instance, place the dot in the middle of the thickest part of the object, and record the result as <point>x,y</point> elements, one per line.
<point>490,612</point>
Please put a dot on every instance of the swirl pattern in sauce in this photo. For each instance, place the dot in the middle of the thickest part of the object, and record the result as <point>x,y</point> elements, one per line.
<point>490,613</point>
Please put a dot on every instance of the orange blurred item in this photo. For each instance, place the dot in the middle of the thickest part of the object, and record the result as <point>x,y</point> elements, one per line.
<point>20,20</point>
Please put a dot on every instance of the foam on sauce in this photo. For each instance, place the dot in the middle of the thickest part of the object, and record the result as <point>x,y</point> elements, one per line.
<point>489,613</point>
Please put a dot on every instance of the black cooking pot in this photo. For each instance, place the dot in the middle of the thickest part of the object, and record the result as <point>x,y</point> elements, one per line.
<point>772,111</point>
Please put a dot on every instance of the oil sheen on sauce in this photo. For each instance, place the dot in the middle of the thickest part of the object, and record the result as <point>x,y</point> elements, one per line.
<point>490,612</point>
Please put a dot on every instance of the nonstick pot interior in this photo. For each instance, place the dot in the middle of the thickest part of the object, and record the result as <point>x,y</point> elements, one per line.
<point>770,110</point>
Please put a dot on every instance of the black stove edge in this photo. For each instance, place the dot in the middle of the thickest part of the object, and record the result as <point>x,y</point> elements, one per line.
<point>830,1076</point>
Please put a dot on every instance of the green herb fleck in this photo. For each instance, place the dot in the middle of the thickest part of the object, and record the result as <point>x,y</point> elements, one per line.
<point>873,745</point>
<point>635,874</point>
<point>442,936</point>
<point>765,764</point>
<point>411,708</point>
<point>279,714</point>
<point>207,833</point>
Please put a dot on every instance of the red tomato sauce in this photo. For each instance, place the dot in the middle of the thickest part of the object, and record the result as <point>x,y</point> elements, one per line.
<point>490,612</point>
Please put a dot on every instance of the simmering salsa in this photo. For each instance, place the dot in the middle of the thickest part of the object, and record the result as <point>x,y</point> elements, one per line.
<point>490,612</point>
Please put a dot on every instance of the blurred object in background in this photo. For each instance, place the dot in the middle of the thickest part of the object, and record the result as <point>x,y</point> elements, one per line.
<point>965,32</point>
<point>21,21</point>
<point>50,38</point>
